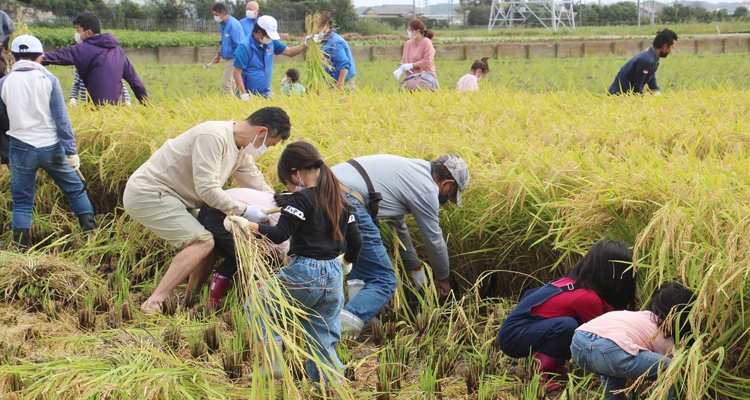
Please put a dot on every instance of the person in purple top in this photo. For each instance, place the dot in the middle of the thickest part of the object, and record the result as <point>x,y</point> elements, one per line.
<point>100,61</point>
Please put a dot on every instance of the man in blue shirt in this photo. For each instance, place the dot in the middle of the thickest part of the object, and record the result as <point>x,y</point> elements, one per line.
<point>640,70</point>
<point>251,15</point>
<point>231,36</point>
<point>253,59</point>
<point>342,68</point>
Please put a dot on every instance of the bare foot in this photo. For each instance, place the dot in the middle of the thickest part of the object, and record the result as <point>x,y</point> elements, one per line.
<point>150,307</point>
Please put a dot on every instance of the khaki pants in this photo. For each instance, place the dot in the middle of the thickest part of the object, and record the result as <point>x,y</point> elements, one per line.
<point>227,79</point>
<point>166,216</point>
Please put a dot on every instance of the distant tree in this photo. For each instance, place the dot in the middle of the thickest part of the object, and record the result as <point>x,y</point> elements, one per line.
<point>168,11</point>
<point>69,8</point>
<point>344,15</point>
<point>740,12</point>
<point>203,9</point>
<point>129,9</point>
<point>479,15</point>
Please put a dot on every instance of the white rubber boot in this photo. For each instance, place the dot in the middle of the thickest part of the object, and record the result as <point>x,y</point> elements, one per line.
<point>351,325</point>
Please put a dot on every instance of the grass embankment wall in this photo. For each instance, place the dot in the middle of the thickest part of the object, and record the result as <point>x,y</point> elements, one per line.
<point>470,51</point>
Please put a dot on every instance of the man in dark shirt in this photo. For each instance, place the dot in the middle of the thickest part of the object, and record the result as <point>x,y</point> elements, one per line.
<point>640,70</point>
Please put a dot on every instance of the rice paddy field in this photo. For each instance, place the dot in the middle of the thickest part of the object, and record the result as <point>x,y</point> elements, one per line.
<point>555,166</point>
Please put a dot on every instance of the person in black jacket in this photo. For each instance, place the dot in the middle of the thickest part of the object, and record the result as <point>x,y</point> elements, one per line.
<point>640,71</point>
<point>318,219</point>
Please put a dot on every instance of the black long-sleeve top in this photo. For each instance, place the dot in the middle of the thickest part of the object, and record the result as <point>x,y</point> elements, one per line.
<point>304,221</point>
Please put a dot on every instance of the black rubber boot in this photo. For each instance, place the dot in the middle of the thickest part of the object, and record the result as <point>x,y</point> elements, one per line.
<point>87,221</point>
<point>88,224</point>
<point>21,236</point>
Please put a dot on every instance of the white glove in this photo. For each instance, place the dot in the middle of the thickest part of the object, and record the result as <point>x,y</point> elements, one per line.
<point>345,265</point>
<point>255,214</point>
<point>73,102</point>
<point>407,67</point>
<point>128,103</point>
<point>657,92</point>
<point>245,97</point>
<point>397,73</point>
<point>74,161</point>
<point>316,38</point>
<point>419,278</point>
<point>230,220</point>
<point>307,38</point>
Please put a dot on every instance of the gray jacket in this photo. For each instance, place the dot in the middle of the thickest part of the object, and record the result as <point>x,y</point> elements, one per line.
<point>6,26</point>
<point>407,188</point>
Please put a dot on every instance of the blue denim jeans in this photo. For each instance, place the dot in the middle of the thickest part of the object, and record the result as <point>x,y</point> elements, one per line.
<point>25,160</point>
<point>603,356</point>
<point>373,267</point>
<point>317,286</point>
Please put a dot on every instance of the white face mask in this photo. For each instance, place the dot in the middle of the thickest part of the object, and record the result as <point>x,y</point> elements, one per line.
<point>217,18</point>
<point>266,40</point>
<point>410,34</point>
<point>250,14</point>
<point>78,38</point>
<point>251,150</point>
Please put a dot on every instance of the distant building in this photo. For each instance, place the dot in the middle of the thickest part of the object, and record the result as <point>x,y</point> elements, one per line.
<point>392,11</point>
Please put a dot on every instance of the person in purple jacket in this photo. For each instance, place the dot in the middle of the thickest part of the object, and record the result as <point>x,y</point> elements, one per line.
<point>100,61</point>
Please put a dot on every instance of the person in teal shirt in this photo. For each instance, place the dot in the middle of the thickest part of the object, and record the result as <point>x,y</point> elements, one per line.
<point>291,85</point>
<point>342,68</point>
<point>253,59</point>
<point>231,36</point>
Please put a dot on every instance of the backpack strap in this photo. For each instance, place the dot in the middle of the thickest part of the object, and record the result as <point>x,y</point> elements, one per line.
<point>570,286</point>
<point>374,197</point>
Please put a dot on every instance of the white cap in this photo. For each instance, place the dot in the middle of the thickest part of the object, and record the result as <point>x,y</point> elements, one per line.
<point>269,24</point>
<point>26,44</point>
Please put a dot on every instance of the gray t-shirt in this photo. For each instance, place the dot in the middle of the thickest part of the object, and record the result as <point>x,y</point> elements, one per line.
<point>407,188</point>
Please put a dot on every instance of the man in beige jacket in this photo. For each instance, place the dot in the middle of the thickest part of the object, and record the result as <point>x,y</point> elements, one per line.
<point>190,171</point>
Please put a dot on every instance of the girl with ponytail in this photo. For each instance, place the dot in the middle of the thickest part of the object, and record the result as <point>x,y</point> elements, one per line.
<point>318,220</point>
<point>470,81</point>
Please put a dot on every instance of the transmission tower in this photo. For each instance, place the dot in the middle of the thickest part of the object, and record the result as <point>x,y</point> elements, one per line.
<point>552,14</point>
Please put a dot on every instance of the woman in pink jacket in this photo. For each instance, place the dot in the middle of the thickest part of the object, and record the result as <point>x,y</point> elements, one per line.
<point>418,60</point>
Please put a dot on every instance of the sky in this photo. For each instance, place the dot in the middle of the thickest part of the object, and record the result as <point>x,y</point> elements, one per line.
<point>420,3</point>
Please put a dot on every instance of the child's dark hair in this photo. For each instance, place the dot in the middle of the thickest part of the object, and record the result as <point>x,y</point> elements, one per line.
<point>304,156</point>
<point>89,22</point>
<point>481,64</point>
<point>293,74</point>
<point>607,270</point>
<point>671,297</point>
<point>26,56</point>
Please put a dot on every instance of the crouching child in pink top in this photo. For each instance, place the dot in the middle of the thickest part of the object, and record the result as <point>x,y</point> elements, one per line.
<point>622,345</point>
<point>470,81</point>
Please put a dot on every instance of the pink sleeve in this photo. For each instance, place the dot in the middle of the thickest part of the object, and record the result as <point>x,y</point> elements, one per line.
<point>428,57</point>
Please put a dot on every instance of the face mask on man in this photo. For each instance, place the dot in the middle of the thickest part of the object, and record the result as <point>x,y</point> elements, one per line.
<point>217,18</point>
<point>251,150</point>
<point>250,14</point>
<point>443,198</point>
<point>78,38</point>
<point>266,40</point>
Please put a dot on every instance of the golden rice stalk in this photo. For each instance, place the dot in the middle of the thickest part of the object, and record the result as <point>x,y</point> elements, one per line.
<point>272,314</point>
<point>316,61</point>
